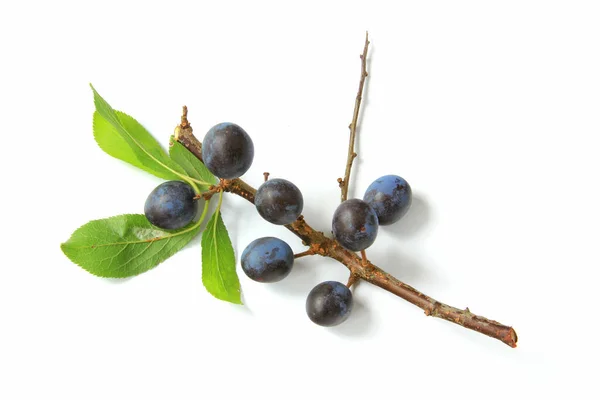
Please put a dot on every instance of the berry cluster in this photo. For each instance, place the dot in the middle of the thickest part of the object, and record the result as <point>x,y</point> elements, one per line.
<point>228,153</point>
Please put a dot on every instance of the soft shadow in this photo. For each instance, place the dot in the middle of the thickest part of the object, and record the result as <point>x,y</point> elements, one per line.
<point>300,281</point>
<point>401,265</point>
<point>358,324</point>
<point>415,220</point>
<point>117,281</point>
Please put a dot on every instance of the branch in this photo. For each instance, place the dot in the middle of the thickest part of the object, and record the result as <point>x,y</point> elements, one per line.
<point>326,247</point>
<point>360,267</point>
<point>344,183</point>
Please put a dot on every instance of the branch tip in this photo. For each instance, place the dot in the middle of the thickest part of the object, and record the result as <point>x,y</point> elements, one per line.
<point>354,123</point>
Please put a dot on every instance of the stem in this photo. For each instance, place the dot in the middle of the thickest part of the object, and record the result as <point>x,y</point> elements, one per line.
<point>304,254</point>
<point>204,212</point>
<point>327,247</point>
<point>351,280</point>
<point>344,183</point>
<point>363,256</point>
<point>360,268</point>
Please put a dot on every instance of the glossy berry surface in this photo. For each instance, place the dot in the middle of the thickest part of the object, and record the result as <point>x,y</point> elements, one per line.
<point>329,303</point>
<point>267,259</point>
<point>390,196</point>
<point>355,225</point>
<point>227,150</point>
<point>279,201</point>
<point>171,205</point>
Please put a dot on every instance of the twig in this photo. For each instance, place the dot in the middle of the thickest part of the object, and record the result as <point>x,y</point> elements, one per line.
<point>352,280</point>
<point>183,133</point>
<point>344,183</point>
<point>327,247</point>
<point>308,252</point>
<point>360,268</point>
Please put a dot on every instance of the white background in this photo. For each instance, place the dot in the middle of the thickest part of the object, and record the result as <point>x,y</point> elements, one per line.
<point>489,109</point>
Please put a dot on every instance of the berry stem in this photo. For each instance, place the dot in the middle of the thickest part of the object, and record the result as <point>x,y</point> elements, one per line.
<point>352,280</point>
<point>363,256</point>
<point>344,183</point>
<point>304,253</point>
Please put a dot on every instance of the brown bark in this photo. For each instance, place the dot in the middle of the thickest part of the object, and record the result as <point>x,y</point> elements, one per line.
<point>360,267</point>
<point>326,247</point>
<point>345,183</point>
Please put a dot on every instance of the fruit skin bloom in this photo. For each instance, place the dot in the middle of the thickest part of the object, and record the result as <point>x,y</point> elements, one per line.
<point>171,205</point>
<point>267,259</point>
<point>355,225</point>
<point>279,201</point>
<point>390,196</point>
<point>227,150</point>
<point>329,303</point>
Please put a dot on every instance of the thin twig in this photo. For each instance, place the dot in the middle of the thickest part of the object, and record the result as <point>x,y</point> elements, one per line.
<point>352,280</point>
<point>308,252</point>
<point>363,256</point>
<point>344,183</point>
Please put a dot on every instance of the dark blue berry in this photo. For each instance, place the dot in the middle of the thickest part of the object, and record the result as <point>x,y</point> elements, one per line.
<point>171,205</point>
<point>267,259</point>
<point>355,225</point>
<point>227,150</point>
<point>329,303</point>
<point>279,201</point>
<point>390,196</point>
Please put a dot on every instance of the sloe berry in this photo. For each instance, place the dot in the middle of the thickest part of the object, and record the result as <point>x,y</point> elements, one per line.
<point>279,201</point>
<point>267,259</point>
<point>390,196</point>
<point>171,205</point>
<point>329,303</point>
<point>227,150</point>
<point>355,225</point>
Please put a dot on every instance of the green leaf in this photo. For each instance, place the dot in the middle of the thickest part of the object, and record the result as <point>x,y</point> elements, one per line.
<point>218,262</point>
<point>123,137</point>
<point>190,163</point>
<point>123,246</point>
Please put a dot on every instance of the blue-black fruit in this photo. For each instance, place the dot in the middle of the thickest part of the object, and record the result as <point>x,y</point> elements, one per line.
<point>171,205</point>
<point>279,201</point>
<point>355,225</point>
<point>267,259</point>
<point>227,150</point>
<point>329,303</point>
<point>390,196</point>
